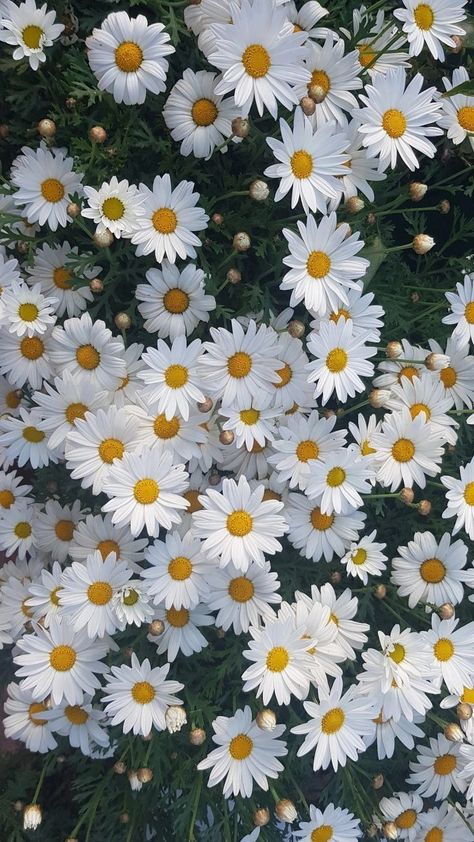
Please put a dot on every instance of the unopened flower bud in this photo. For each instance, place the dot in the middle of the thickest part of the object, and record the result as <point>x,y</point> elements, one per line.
<point>458,44</point>
<point>417,190</point>
<point>394,349</point>
<point>266,720</point>
<point>378,781</point>
<point>372,831</point>
<point>46,128</point>
<point>259,190</point>
<point>123,321</point>
<point>96,285</point>
<point>415,297</point>
<point>134,781</point>
<point>240,126</point>
<point>261,817</point>
<point>32,817</point>
<point>390,830</point>
<point>378,398</point>
<point>156,627</point>
<point>424,507</point>
<point>220,632</point>
<point>422,243</point>
<point>380,591</point>
<point>71,102</point>
<point>103,239</point>
<point>97,134</point>
<point>175,718</point>
<point>22,247</point>
<point>217,218</point>
<point>72,839</point>
<point>197,736</point>
<point>285,810</point>
<point>454,733</point>
<point>18,806</point>
<point>119,767</point>
<point>444,206</point>
<point>435,362</point>
<point>464,711</point>
<point>205,405</point>
<point>446,611</point>
<point>296,329</point>
<point>308,106</point>
<point>407,495</point>
<point>371,218</point>
<point>354,204</point>
<point>241,241</point>
<point>234,276</point>
<point>336,577</point>
<point>124,818</point>
<point>144,774</point>
<point>226,437</point>
<point>317,93</point>
<point>73,210</point>
<point>4,131</point>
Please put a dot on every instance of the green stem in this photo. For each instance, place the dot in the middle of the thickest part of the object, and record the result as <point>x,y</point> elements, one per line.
<point>197,796</point>
<point>46,764</point>
<point>406,210</point>
<point>352,408</point>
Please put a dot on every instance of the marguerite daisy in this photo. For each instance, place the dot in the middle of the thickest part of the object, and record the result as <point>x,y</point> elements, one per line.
<point>367,318</point>
<point>426,396</point>
<point>181,633</point>
<point>87,590</point>
<point>436,769</point>
<point>364,558</point>
<point>53,268</point>
<point>174,301</point>
<point>171,376</point>
<point>24,720</point>
<point>81,724</point>
<point>333,76</point>
<point>317,535</point>
<point>460,499</point>
<point>87,349</point>
<point>116,207</point>
<point>457,115</point>
<point>281,663</point>
<point>45,182</point>
<point>336,484</point>
<point>178,571</point>
<point>300,442</point>
<point>408,451</point>
<point>55,528</point>
<point>452,655</point>
<point>432,23</point>
<point>25,360</point>
<point>24,439</point>
<point>404,809</point>
<point>44,600</point>
<point>462,308</point>
<point>430,571</point>
<point>339,823</point>
<point>29,30</point>
<point>61,405</point>
<point>242,600</point>
<point>341,361</point>
<point>99,533</point>
<point>26,312</point>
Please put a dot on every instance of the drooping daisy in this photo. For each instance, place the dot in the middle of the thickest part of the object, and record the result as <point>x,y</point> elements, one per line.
<point>280,661</point>
<point>452,655</point>
<point>116,207</point>
<point>53,268</point>
<point>238,525</point>
<point>62,405</point>
<point>138,696</point>
<point>24,720</point>
<point>367,318</point>
<point>44,600</point>
<point>426,396</point>
<point>300,442</point>
<point>46,182</point>
<point>460,499</point>
<point>364,558</point>
<point>126,394</point>
<point>252,425</point>
<point>146,491</point>
<point>181,632</point>
<point>388,730</point>
<point>178,571</point>
<point>436,769</point>
<point>404,809</point>
<point>9,271</point>
<point>432,23</point>
<point>127,56</point>
<point>306,18</point>
<point>408,451</point>
<point>397,119</point>
<point>315,624</point>
<point>333,76</point>
<point>25,360</point>
<point>336,484</point>
<point>99,533</point>
<point>87,590</point>
<point>462,307</point>
<point>292,389</point>
<point>442,822</point>
<point>55,528</point>
<point>403,696</point>
<point>245,753</point>
<point>457,115</point>
<point>430,571</point>
<point>131,604</point>
<point>26,312</point>
<point>170,220</point>
<point>24,439</point>
<point>458,377</point>
<point>333,823</point>
<point>242,600</point>
<point>81,724</point>
<point>350,634</point>
<point>10,399</point>
<point>87,349</point>
<point>317,535</point>
<point>197,116</point>
<point>171,376</point>
<point>11,489</point>
<point>342,359</point>
<point>309,163</point>
<point>60,661</point>
<point>29,30</point>
<point>174,301</point>
<point>322,264</point>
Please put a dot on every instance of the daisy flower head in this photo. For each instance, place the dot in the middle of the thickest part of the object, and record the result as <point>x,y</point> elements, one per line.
<point>26,312</point>
<point>252,463</point>
<point>436,769</point>
<point>350,634</point>
<point>45,183</point>
<point>81,724</point>
<point>174,301</point>
<point>97,532</point>
<point>333,76</point>
<point>63,404</point>
<point>342,359</point>
<point>457,115</point>
<point>180,437</point>
<point>337,483</point>
<point>367,318</point>
<point>138,696</point>
<point>404,809</point>
<point>458,377</point>
<point>9,271</point>
<point>309,163</point>
<point>432,24</point>
<point>25,359</point>
<point>322,263</point>
<point>245,754</point>
<point>408,451</point>
<point>292,389</point>
<point>388,730</point>
<point>397,118</point>
<point>116,207</point>
<point>15,611</point>
<point>442,822</point>
<point>460,499</point>
<point>24,720</point>
<point>430,571</point>
<point>10,399</point>
<point>378,49</point>
<point>316,625</point>
<point>452,655</point>
<point>178,571</point>
<point>239,525</point>
<point>252,426</point>
<point>29,30</point>
<point>52,268</point>
<point>18,529</point>
<point>11,490</point>
<point>87,349</point>
<point>127,56</point>
<point>317,535</point>
<point>411,365</point>
<point>462,307</point>
<point>44,600</point>
<point>25,439</point>
<point>242,600</point>
<point>260,57</point>
<point>170,220</point>
<point>181,633</point>
<point>145,491</point>
<point>87,590</point>
<point>340,823</point>
<point>306,18</point>
<point>365,558</point>
<point>171,376</point>
<point>131,605</point>
<point>55,528</point>
<point>425,396</point>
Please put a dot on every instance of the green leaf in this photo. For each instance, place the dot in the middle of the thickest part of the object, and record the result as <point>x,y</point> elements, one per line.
<point>466,88</point>
<point>375,254</point>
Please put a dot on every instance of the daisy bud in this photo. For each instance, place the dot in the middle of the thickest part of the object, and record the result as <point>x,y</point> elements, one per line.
<point>175,718</point>
<point>415,297</point>
<point>436,362</point>
<point>317,93</point>
<point>214,478</point>
<point>371,218</point>
<point>241,241</point>
<point>104,239</point>
<point>390,830</point>
<point>259,190</point>
<point>296,329</point>
<point>4,131</point>
<point>111,152</point>
<point>18,806</point>
<point>119,767</point>
<point>205,406</point>
<point>124,818</point>
<point>446,611</point>
<point>32,817</point>
<point>46,128</point>
<point>123,321</point>
<point>336,577</point>
<point>451,448</point>
<point>233,276</point>
<point>453,733</point>
<point>73,210</point>
<point>240,126</point>
<point>416,190</point>
<point>96,285</point>
<point>354,204</point>
<point>156,627</point>
<point>458,44</point>
<point>308,106</point>
<point>97,134</point>
<point>424,507</point>
<point>144,774</point>
<point>464,711</point>
<point>285,810</point>
<point>197,736</point>
<point>71,102</point>
<point>380,591</point>
<point>444,206</point>
<point>261,817</point>
<point>266,720</point>
<point>372,831</point>
<point>394,349</point>
<point>134,781</point>
<point>328,413</point>
<point>22,247</point>
<point>378,398</point>
<point>217,218</point>
<point>407,495</point>
<point>377,782</point>
<point>226,437</point>
<point>422,243</point>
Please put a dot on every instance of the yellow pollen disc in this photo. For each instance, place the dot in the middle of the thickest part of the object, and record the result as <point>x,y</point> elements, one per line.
<point>333,721</point>
<point>469,309</point>
<point>336,360</point>
<point>469,494</point>
<point>322,834</point>
<point>165,221</point>
<point>62,277</point>
<point>177,617</point>
<point>277,659</point>
<point>176,376</point>
<point>271,495</point>
<point>192,497</point>
<point>241,589</point>
<point>285,374</point>
<point>448,377</point>
<point>62,658</point>
<point>128,57</point>
<point>468,695</point>
<point>111,449</point>
<point>256,61</point>
<point>146,491</point>
<point>320,521</point>
<point>398,653</point>
<point>408,371</point>
<point>64,530</point>
<point>143,692</point>
<point>131,597</point>
<point>320,79</point>
<point>180,568</point>
<point>25,608</point>
<point>366,449</point>
<point>239,364</point>
<point>318,264</point>
<point>406,819</point>
<point>359,556</point>
<point>12,400</point>
<point>249,416</point>
<point>176,301</point>
<point>394,123</point>
<point>53,597</point>
<point>443,649</point>
<point>33,435</point>
<point>379,720</point>
<point>113,208</point>
<point>424,16</point>
<point>434,835</point>
<point>445,764</point>
<point>108,546</point>
<point>6,498</point>
<point>240,747</point>
<point>74,411</point>
<point>52,190</point>
<point>88,357</point>
<point>466,119</point>
<point>335,477</point>
<point>301,164</point>
<point>239,523</point>
<point>99,593</point>
<point>307,450</point>
<point>34,708</point>
<point>164,429</point>
<point>32,36</point>
<point>403,450</point>
<point>22,529</point>
<point>204,112</point>
<point>416,408</point>
<point>433,571</point>
<point>366,55</point>
<point>76,714</point>
<point>28,312</point>
<point>344,314</point>
<point>297,28</point>
<point>32,348</point>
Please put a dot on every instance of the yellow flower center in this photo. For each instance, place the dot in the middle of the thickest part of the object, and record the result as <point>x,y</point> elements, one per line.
<point>108,546</point>
<point>403,450</point>
<point>62,278</point>
<point>180,568</point>
<point>76,714</point>
<point>335,477</point>
<point>416,408</point>
<point>366,449</point>
<point>12,399</point>
<point>406,819</point>
<point>32,348</point>
<point>111,449</point>
<point>131,598</point>
<point>113,208</point>
<point>366,54</point>
<point>64,530</point>
<point>445,764</point>
<point>52,190</point>
<point>22,529</point>
<point>240,747</point>
<point>249,416</point>
<point>408,371</point>
<point>241,589</point>
<point>28,312</point>
<point>466,118</point>
<point>146,491</point>
<point>62,658</point>
<point>342,313</point>
<point>468,695</point>
<point>318,264</point>
<point>424,16</point>
<point>320,521</point>
<point>285,374</point>
<point>128,57</point>
<point>143,693</point>
<point>320,79</point>
<point>88,357</point>
<point>53,597</point>
<point>32,36</point>
<point>443,649</point>
<point>434,835</point>
<point>322,834</point>
<point>333,721</point>
<point>271,495</point>
<point>469,311</point>
<point>301,164</point>
<point>6,498</point>
<point>33,435</point>
<point>469,494</point>
<point>204,112</point>
<point>192,497</point>
<point>239,364</point>
<point>278,659</point>
<point>25,609</point>
<point>256,61</point>
<point>432,570</point>
<point>177,617</point>
<point>176,376</point>
<point>398,653</point>
<point>394,122</point>
<point>99,593</point>
<point>176,301</point>
<point>448,377</point>
<point>74,411</point>
<point>164,429</point>
<point>359,556</point>
<point>165,221</point>
<point>336,360</point>
<point>239,523</point>
<point>307,450</point>
<point>36,707</point>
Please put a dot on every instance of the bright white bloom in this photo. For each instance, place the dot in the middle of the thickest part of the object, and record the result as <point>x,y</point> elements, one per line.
<point>350,634</point>
<point>53,268</point>
<point>340,823</point>
<point>25,311</point>
<point>408,451</point>
<point>181,632</point>
<point>317,535</point>
<point>363,433</point>
<point>305,19</point>
<point>87,349</point>
<point>365,558</point>
<point>252,426</point>
<point>462,307</point>
<point>333,77</point>
<point>44,600</point>
<point>178,571</point>
<point>24,720</point>
<point>315,624</point>
<point>460,499</point>
<point>342,359</point>
<point>131,605</point>
<point>432,23</point>
<point>55,528</point>
<point>451,652</point>
<point>99,533</point>
<point>183,439</point>
<point>430,571</point>
<point>436,769</point>
<point>171,376</point>
<point>9,269</point>
<point>445,823</point>
<point>242,600</point>
<point>367,318</point>
<point>11,489</point>
<point>404,809</point>
<point>87,590</point>
<point>292,391</point>
<point>15,612</point>
<point>458,377</point>
<point>116,207</point>
<point>378,47</point>
<point>173,302</point>
<point>426,396</point>
<point>281,661</point>
<point>62,405</point>
<point>337,483</point>
<point>24,439</point>
<point>412,363</point>
<point>29,30</point>
<point>457,115</point>
<point>388,730</point>
<point>46,182</point>
<point>303,441</point>
<point>81,724</point>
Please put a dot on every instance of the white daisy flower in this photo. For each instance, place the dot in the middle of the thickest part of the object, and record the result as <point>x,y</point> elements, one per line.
<point>337,483</point>
<point>340,823</point>
<point>341,361</point>
<point>426,396</point>
<point>99,533</point>
<point>126,394</point>
<point>138,696</point>
<point>252,464</point>
<point>452,655</point>
<point>442,822</point>
<point>182,438</point>
<point>9,271</point>
<point>359,168</point>
<point>242,600</point>
<point>405,656</point>
<point>238,525</point>
<point>116,207</point>
<point>87,349</point>
<point>378,49</point>
<point>458,377</point>
<point>53,268</point>
<point>396,118</point>
<point>46,182</point>
<point>336,727</point>
<point>25,311</point>
<point>25,360</point>
<point>55,528</point>
<point>306,18</point>
<point>10,399</point>
<point>309,163</point>
<point>317,535</point>
<point>15,610</point>
<point>201,17</point>
<point>333,77</point>
<point>322,264</point>
<point>81,724</point>
<point>171,376</point>
<point>367,318</point>
<point>302,441</point>
<point>364,558</point>
<point>404,809</point>
<point>178,571</point>
<point>87,590</point>
<point>245,754</point>
<point>181,632</point>
<point>174,301</point>
<point>29,30</point>
<point>466,769</point>
<point>252,425</point>
<point>146,491</point>
<point>24,720</point>
<point>260,57</point>
<point>314,621</point>
<point>388,730</point>
<point>432,23</point>
<point>436,769</point>
<point>403,696</point>
<point>11,490</point>
<point>292,389</point>
<point>462,309</point>
<point>131,605</point>
<point>127,56</point>
<point>394,371</point>
<point>350,634</point>
<point>460,498</point>
<point>170,220</point>
<point>408,451</point>
<point>44,600</point>
<point>430,571</point>
<point>281,663</point>
<point>457,115</point>
<point>60,662</point>
<point>61,405</point>
<point>24,439</point>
